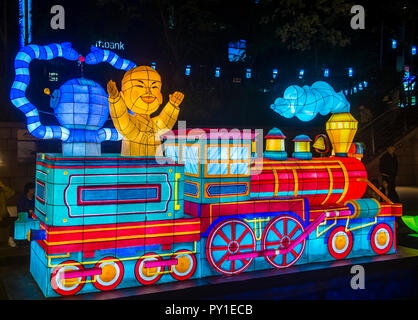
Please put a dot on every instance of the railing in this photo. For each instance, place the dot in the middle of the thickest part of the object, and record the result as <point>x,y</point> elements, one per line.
<point>386,129</point>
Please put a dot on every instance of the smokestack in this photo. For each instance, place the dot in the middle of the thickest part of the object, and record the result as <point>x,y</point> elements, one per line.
<point>341,129</point>
<point>275,148</point>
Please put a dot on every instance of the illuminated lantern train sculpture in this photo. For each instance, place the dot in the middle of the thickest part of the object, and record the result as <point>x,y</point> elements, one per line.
<point>213,208</point>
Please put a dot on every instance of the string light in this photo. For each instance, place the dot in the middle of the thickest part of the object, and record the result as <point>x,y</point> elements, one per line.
<point>301,72</point>
<point>217,72</point>
<point>275,73</point>
<point>188,69</point>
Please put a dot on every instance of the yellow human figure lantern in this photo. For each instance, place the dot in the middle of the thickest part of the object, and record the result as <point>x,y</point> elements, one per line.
<point>141,93</point>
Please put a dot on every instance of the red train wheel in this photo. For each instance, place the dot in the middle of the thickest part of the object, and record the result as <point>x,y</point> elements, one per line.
<point>227,238</point>
<point>279,234</point>
<point>67,287</point>
<point>186,265</point>
<point>381,238</point>
<point>340,242</point>
<point>148,276</point>
<point>112,273</point>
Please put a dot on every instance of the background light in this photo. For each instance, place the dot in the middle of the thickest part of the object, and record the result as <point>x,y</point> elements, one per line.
<point>394,44</point>
<point>350,72</point>
<point>248,74</point>
<point>153,65</point>
<point>365,83</point>
<point>188,69</point>
<point>301,72</point>
<point>237,51</point>
<point>414,50</point>
<point>217,72</point>
<point>275,73</point>
<point>326,73</point>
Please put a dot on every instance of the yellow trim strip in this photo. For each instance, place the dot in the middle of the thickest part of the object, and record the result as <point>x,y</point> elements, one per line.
<point>359,227</point>
<point>318,234</point>
<point>346,181</point>
<point>276,182</point>
<point>331,185</point>
<point>177,176</point>
<point>296,180</point>
<point>259,220</point>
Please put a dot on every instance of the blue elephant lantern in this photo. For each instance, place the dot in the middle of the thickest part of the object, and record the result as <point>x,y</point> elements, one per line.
<point>80,105</point>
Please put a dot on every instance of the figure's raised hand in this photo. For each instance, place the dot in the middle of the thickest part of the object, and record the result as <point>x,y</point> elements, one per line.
<point>176,98</point>
<point>112,90</point>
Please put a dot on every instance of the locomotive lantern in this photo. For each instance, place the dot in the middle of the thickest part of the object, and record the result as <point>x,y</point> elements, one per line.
<point>207,206</point>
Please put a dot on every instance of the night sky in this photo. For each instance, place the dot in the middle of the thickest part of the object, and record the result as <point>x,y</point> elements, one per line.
<point>209,101</point>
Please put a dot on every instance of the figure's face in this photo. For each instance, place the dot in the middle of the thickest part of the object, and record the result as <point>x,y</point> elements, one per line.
<point>141,88</point>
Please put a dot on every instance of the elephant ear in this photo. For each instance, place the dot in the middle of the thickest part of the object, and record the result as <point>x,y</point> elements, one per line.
<point>55,98</point>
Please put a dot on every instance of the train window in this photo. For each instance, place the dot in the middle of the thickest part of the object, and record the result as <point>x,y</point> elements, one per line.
<point>239,168</point>
<point>217,153</point>
<point>190,157</point>
<point>217,168</point>
<point>226,160</point>
<point>172,152</point>
<point>239,153</point>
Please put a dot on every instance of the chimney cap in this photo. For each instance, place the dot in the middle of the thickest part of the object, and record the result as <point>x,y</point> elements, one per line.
<point>302,138</point>
<point>275,133</point>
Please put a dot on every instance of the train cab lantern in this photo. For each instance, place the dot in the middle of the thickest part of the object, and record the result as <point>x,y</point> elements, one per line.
<point>208,207</point>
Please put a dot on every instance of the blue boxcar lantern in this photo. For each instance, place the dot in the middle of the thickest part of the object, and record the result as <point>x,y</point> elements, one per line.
<point>350,72</point>
<point>153,65</point>
<point>394,43</point>
<point>414,50</point>
<point>248,74</point>
<point>217,72</point>
<point>365,83</point>
<point>275,73</point>
<point>360,86</point>
<point>326,73</point>
<point>188,69</point>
